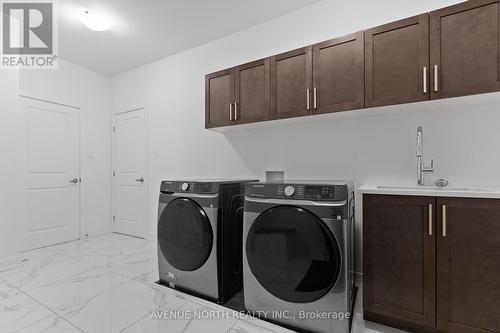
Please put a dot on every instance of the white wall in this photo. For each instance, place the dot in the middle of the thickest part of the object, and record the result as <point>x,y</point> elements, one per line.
<point>10,123</point>
<point>77,86</point>
<point>377,147</point>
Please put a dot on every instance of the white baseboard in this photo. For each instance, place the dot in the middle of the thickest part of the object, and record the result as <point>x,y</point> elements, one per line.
<point>11,262</point>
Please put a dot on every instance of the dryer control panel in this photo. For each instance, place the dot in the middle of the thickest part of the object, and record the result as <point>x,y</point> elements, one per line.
<point>297,191</point>
<point>205,186</point>
<point>188,187</point>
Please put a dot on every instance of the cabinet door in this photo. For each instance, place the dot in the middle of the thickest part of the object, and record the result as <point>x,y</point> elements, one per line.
<point>252,91</point>
<point>338,74</point>
<point>397,62</point>
<point>219,96</point>
<point>399,259</point>
<point>468,264</point>
<point>291,81</point>
<point>465,48</point>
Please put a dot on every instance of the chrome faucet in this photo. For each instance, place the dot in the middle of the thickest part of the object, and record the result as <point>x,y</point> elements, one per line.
<point>421,169</point>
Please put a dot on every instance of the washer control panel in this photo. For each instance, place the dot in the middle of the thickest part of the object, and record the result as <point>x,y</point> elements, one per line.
<point>297,191</point>
<point>320,192</point>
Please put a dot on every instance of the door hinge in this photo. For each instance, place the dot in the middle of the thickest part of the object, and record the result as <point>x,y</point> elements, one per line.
<point>114,218</point>
<point>114,173</point>
<point>114,128</point>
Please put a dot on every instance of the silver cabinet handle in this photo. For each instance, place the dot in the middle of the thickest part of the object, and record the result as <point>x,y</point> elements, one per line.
<point>436,84</point>
<point>230,111</point>
<point>430,220</point>
<point>236,116</point>
<point>315,93</point>
<point>74,181</point>
<point>425,79</point>
<point>141,180</point>
<point>444,220</point>
<point>308,93</point>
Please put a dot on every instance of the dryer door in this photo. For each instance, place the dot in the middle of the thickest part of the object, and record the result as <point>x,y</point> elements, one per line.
<point>293,254</point>
<point>185,235</point>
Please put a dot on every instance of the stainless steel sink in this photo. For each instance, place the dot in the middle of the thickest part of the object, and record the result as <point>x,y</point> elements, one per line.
<point>433,188</point>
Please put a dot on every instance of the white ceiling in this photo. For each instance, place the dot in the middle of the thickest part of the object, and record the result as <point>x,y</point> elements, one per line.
<point>147,30</point>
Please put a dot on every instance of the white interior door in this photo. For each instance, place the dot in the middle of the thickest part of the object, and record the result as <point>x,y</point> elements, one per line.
<point>51,195</point>
<point>129,173</point>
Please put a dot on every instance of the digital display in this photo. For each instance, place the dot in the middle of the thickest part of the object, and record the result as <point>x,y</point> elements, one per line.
<point>202,187</point>
<point>319,192</point>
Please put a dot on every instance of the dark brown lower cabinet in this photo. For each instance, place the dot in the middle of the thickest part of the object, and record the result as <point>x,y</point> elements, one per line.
<point>432,264</point>
<point>399,258</point>
<point>468,265</point>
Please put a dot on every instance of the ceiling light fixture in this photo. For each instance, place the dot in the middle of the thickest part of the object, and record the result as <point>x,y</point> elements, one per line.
<point>94,20</point>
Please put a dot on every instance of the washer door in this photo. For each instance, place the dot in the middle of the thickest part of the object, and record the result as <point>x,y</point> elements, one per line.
<point>293,254</point>
<point>185,235</point>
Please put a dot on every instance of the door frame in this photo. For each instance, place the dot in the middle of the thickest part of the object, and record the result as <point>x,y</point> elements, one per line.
<point>82,190</point>
<point>145,232</point>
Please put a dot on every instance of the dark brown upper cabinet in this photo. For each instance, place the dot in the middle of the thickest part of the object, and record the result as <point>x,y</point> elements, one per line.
<point>399,259</point>
<point>454,51</point>
<point>219,96</point>
<point>291,84</point>
<point>397,62</point>
<point>252,92</point>
<point>468,264</point>
<point>465,56</point>
<point>338,74</point>
<point>238,95</point>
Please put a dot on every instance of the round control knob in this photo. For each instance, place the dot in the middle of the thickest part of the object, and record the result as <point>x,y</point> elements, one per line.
<point>289,191</point>
<point>185,186</point>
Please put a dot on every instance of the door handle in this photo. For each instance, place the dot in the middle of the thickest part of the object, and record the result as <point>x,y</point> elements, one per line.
<point>315,98</point>
<point>74,181</point>
<point>436,78</point>
<point>444,217</point>
<point>425,80</point>
<point>308,98</point>
<point>430,220</point>
<point>231,112</point>
<point>236,117</point>
<point>140,180</point>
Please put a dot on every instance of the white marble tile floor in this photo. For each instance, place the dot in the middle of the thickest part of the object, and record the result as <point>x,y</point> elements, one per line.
<point>106,284</point>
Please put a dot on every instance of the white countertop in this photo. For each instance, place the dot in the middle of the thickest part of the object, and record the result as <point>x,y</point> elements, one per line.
<point>463,192</point>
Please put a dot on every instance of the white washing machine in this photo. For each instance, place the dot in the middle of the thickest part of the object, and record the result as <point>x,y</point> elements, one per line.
<point>298,254</point>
